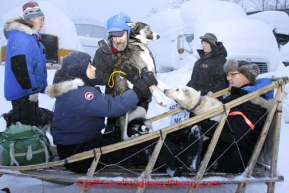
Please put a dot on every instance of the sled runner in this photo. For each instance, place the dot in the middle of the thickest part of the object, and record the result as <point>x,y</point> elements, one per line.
<point>262,167</point>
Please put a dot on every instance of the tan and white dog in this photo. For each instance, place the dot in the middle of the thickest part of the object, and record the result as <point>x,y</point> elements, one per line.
<point>192,101</point>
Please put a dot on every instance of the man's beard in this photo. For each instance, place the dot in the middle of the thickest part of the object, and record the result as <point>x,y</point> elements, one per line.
<point>119,47</point>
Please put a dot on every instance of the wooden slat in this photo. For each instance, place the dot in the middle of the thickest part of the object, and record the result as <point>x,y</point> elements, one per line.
<point>151,164</point>
<point>257,150</point>
<point>91,172</point>
<point>69,178</point>
<point>209,152</point>
<point>277,128</point>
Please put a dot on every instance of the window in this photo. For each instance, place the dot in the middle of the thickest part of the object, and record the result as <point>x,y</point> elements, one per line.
<point>92,31</point>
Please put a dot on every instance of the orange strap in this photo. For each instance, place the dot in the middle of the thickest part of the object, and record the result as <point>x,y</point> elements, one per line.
<point>245,118</point>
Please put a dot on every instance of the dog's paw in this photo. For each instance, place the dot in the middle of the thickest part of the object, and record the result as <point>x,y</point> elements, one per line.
<point>162,103</point>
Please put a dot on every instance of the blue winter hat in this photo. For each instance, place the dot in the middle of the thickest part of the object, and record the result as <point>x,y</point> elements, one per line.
<point>117,24</point>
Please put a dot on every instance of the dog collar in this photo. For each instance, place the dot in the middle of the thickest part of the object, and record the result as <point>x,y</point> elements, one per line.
<point>197,105</point>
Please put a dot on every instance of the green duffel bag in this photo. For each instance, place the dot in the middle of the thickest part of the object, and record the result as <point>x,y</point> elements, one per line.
<point>24,145</point>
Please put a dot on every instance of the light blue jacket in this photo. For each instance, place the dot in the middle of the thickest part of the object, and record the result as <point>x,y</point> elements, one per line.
<point>260,83</point>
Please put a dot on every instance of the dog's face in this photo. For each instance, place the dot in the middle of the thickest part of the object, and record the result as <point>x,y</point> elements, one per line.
<point>142,32</point>
<point>45,117</point>
<point>185,96</point>
<point>8,118</point>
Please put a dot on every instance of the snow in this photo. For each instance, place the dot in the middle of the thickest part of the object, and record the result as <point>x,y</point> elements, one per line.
<point>169,26</point>
<point>191,11</point>
<point>284,50</point>
<point>179,76</point>
<point>277,20</point>
<point>242,36</point>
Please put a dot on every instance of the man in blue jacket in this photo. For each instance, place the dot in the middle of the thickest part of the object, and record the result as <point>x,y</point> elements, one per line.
<point>25,66</point>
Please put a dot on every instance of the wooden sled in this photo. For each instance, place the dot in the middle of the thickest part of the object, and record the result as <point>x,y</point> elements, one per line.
<point>261,167</point>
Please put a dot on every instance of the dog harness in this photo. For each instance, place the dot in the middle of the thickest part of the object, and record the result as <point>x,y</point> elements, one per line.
<point>251,125</point>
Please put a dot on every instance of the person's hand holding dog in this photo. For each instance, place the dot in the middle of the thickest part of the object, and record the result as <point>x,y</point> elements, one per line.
<point>142,84</point>
<point>131,72</point>
<point>149,77</point>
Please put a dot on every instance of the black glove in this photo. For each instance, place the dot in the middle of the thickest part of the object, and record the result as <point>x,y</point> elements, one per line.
<point>132,73</point>
<point>141,86</point>
<point>149,77</point>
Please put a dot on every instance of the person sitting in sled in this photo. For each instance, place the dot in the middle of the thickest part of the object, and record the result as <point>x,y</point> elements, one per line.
<point>244,123</point>
<point>80,108</point>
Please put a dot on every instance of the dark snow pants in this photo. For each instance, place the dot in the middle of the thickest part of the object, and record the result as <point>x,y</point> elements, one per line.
<point>25,111</point>
<point>137,155</point>
<point>234,160</point>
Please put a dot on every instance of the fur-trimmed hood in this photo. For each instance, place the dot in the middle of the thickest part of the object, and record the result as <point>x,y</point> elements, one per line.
<point>63,87</point>
<point>21,25</point>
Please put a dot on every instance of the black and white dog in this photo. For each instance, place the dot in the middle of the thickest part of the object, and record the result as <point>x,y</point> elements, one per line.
<point>140,56</point>
<point>44,124</point>
<point>45,119</point>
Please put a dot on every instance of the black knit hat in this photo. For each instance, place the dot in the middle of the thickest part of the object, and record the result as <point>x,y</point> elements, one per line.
<point>75,64</point>
<point>210,38</point>
<point>249,70</point>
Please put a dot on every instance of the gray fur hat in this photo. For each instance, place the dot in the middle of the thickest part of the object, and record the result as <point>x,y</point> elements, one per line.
<point>249,70</point>
<point>210,38</point>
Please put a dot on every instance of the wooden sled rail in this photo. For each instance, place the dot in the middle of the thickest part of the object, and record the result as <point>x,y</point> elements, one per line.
<point>149,136</point>
<point>152,135</point>
<point>161,135</point>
